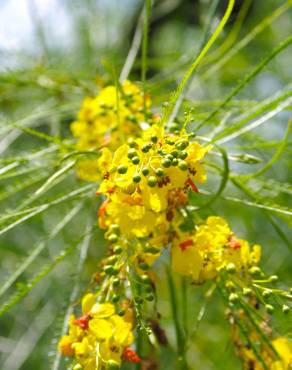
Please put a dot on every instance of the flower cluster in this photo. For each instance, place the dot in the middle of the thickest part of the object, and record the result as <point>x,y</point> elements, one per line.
<point>100,338</point>
<point>107,120</point>
<point>145,183</point>
<point>212,248</point>
<point>146,174</point>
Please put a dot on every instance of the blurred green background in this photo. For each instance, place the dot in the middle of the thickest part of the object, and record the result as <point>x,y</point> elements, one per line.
<point>51,54</point>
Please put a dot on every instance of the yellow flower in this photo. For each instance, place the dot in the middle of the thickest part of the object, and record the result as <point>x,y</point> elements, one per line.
<point>107,120</point>
<point>211,248</point>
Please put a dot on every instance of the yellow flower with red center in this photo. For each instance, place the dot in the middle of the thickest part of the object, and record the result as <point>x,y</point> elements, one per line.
<point>98,337</point>
<point>212,247</point>
<point>148,179</point>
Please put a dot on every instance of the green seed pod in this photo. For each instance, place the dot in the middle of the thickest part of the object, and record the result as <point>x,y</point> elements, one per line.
<point>136,178</point>
<point>145,171</point>
<point>136,160</point>
<point>182,165</point>
<point>122,169</point>
<point>113,238</point>
<point>159,172</point>
<point>269,308</point>
<point>152,181</point>
<point>118,249</point>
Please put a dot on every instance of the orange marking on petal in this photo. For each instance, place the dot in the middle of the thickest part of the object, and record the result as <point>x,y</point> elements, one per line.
<point>130,355</point>
<point>82,321</point>
<point>234,243</point>
<point>186,244</point>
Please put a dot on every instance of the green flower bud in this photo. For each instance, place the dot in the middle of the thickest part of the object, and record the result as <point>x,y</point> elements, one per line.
<point>174,162</point>
<point>112,259</point>
<point>145,171</point>
<point>138,300</point>
<point>255,270</point>
<point>285,309</point>
<point>183,154</point>
<point>182,165</point>
<point>132,153</point>
<point>136,178</point>
<point>233,298</point>
<point>154,139</point>
<point>116,282</point>
<point>231,268</point>
<point>149,297</point>
<point>266,293</point>
<point>159,172</point>
<point>108,269</point>
<point>152,181</point>
<point>136,160</point>
<point>77,367</point>
<point>113,238</point>
<point>145,279</point>
<point>174,153</point>
<point>116,298</point>
<point>122,169</point>
<point>118,249</point>
<point>247,292</point>
<point>166,163</point>
<point>273,278</point>
<point>144,266</point>
<point>148,289</point>
<point>112,365</point>
<point>145,148</point>
<point>269,308</point>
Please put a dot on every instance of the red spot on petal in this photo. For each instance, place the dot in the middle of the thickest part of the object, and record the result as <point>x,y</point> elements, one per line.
<point>130,355</point>
<point>186,244</point>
